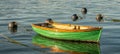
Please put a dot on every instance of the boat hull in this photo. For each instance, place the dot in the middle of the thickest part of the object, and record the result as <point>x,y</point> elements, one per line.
<point>76,36</point>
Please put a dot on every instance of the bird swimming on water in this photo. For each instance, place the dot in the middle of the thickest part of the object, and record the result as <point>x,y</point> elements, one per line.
<point>12,27</point>
<point>99,17</point>
<point>49,20</point>
<point>74,17</point>
<point>84,11</point>
<point>12,24</point>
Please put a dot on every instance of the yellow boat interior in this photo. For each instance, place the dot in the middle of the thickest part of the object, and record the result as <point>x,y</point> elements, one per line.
<point>67,27</point>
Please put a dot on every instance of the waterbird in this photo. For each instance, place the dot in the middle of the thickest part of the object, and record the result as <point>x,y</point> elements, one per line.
<point>12,27</point>
<point>12,24</point>
<point>99,17</point>
<point>74,17</point>
<point>84,11</point>
<point>49,20</point>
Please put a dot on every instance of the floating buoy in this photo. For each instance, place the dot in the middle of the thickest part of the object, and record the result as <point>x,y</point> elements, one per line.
<point>12,24</point>
<point>49,20</point>
<point>12,27</point>
<point>74,17</point>
<point>84,11</point>
<point>99,17</point>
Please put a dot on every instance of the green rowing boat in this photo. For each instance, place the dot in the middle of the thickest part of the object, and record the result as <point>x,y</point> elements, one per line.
<point>68,31</point>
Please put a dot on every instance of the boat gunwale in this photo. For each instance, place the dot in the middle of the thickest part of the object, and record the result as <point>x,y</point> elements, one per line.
<point>65,30</point>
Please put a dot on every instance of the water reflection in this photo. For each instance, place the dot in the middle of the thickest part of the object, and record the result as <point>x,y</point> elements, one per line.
<point>13,41</point>
<point>12,30</point>
<point>66,46</point>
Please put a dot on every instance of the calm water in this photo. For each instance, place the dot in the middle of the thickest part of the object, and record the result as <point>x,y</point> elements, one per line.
<point>25,12</point>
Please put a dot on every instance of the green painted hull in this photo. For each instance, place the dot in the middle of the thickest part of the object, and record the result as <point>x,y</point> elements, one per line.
<point>77,36</point>
<point>89,48</point>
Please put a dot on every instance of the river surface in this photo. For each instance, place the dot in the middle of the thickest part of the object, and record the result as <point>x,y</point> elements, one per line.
<point>26,12</point>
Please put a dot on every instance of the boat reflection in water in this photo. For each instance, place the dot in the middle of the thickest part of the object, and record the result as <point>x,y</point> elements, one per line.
<point>70,47</point>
